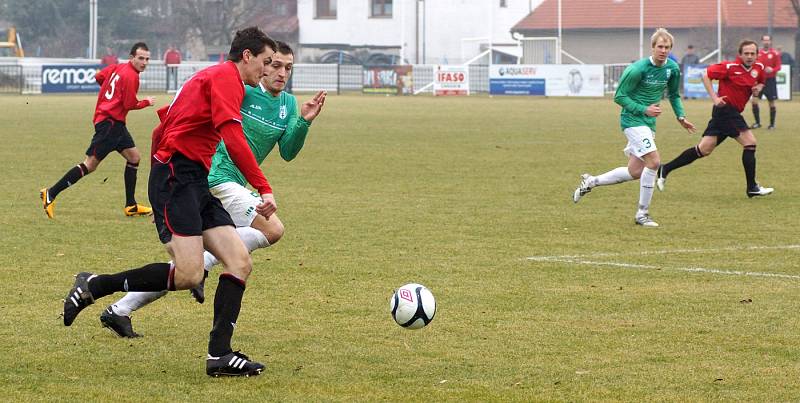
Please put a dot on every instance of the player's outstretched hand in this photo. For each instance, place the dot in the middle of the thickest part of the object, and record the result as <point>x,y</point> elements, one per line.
<point>313,107</point>
<point>653,110</point>
<point>150,100</point>
<point>268,205</point>
<point>689,126</point>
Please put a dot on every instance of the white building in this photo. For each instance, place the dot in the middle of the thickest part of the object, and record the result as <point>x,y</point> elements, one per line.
<point>416,31</point>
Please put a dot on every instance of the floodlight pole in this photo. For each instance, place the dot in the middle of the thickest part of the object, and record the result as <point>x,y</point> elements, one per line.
<point>641,29</point>
<point>92,29</point>
<point>719,31</point>
<point>558,50</point>
<point>771,17</point>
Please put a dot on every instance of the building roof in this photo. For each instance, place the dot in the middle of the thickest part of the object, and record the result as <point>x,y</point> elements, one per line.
<point>671,14</point>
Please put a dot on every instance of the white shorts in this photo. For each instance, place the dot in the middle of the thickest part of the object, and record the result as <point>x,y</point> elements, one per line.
<point>641,141</point>
<point>239,201</point>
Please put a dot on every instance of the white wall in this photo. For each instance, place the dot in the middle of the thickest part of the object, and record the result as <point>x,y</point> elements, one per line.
<point>447,22</point>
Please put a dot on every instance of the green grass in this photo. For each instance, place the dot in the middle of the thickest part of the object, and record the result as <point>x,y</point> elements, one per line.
<point>454,193</point>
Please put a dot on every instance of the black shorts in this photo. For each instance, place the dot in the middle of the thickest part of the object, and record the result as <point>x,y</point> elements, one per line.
<point>770,90</point>
<point>109,135</point>
<point>725,121</point>
<point>182,203</point>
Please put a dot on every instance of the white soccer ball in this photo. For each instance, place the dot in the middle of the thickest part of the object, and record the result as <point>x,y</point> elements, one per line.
<point>413,306</point>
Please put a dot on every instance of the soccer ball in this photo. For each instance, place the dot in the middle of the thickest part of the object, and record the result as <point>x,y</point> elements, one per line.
<point>413,306</point>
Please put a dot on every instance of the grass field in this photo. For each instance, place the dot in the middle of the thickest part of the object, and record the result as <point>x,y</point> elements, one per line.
<point>539,299</point>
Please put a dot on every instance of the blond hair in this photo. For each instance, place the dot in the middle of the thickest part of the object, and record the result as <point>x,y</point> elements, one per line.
<point>661,33</point>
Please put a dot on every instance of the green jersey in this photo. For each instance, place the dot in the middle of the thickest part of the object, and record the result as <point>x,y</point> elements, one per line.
<point>266,120</point>
<point>642,84</point>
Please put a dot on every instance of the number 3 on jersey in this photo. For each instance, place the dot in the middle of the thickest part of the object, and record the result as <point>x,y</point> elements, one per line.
<point>110,93</point>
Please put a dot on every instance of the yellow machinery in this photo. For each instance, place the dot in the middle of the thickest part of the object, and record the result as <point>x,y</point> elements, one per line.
<point>13,44</point>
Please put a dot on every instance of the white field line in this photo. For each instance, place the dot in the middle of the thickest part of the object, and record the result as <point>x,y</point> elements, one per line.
<point>580,260</point>
<point>668,251</point>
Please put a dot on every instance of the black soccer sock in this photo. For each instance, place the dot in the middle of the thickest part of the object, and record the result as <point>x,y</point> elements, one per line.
<point>772,112</point>
<point>151,277</point>
<point>130,183</point>
<point>70,178</point>
<point>749,163</point>
<point>688,156</point>
<point>756,113</point>
<point>227,303</point>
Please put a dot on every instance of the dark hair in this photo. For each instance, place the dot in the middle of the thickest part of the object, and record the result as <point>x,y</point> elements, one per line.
<point>690,47</point>
<point>283,48</point>
<point>252,39</point>
<point>746,42</point>
<point>138,45</point>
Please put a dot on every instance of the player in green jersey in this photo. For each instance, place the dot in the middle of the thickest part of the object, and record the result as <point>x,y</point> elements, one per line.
<point>270,116</point>
<point>639,93</point>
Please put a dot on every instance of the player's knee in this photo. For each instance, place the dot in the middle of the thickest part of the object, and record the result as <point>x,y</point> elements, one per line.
<point>188,277</point>
<point>240,266</point>
<point>89,166</point>
<point>275,234</point>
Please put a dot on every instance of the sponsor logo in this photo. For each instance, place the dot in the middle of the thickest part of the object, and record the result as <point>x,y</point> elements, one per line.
<point>282,112</point>
<point>517,71</point>
<point>256,107</point>
<point>68,75</point>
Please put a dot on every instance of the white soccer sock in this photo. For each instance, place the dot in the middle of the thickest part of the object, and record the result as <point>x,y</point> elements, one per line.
<point>646,184</point>
<point>135,300</point>
<point>612,177</point>
<point>253,239</point>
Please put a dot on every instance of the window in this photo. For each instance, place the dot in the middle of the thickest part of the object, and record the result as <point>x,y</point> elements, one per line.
<point>381,8</point>
<point>503,3</point>
<point>326,9</point>
<point>281,9</point>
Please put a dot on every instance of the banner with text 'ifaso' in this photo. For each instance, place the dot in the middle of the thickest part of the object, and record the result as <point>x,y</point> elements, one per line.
<point>70,78</point>
<point>556,80</point>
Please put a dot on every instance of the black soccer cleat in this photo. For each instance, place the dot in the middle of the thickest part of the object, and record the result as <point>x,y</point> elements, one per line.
<point>232,364</point>
<point>120,324</point>
<point>199,292</point>
<point>78,297</point>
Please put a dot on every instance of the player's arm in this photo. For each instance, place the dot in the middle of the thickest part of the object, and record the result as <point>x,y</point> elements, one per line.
<point>673,88</point>
<point>777,59</point>
<point>103,74</point>
<point>627,84</point>
<point>129,100</point>
<point>715,71</point>
<point>242,156</point>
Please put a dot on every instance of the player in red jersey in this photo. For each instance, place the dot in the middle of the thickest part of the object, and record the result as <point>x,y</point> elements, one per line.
<point>771,59</point>
<point>119,84</point>
<point>188,218</point>
<point>738,80</point>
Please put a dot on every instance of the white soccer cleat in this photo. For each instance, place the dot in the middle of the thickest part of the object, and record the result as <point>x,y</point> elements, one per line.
<point>759,191</point>
<point>582,189</point>
<point>645,221</point>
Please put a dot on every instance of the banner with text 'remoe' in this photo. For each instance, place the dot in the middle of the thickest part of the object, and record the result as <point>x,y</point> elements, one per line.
<point>70,78</point>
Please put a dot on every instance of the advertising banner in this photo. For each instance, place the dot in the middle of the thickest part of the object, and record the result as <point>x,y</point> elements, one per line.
<point>451,80</point>
<point>70,78</point>
<point>693,82</point>
<point>388,80</point>
<point>558,80</point>
<point>784,82</point>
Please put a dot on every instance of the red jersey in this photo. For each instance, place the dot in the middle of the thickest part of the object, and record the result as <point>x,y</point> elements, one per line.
<point>172,57</point>
<point>770,58</point>
<point>118,86</point>
<point>736,82</point>
<point>204,111</point>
